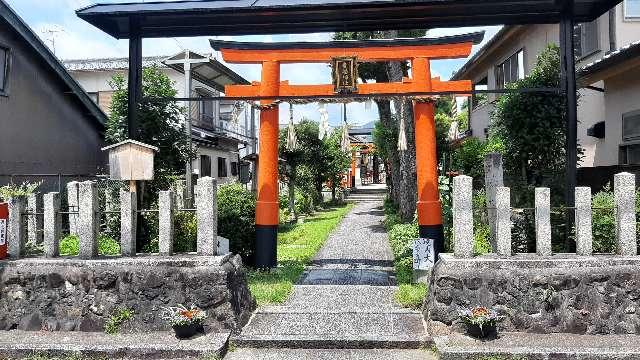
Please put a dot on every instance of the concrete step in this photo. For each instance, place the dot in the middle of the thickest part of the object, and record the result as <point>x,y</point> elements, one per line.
<point>329,354</point>
<point>357,298</point>
<point>155,345</point>
<point>540,347</point>
<point>334,330</point>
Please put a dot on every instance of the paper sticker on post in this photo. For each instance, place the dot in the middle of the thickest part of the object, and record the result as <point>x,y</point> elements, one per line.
<point>423,254</point>
<point>3,231</point>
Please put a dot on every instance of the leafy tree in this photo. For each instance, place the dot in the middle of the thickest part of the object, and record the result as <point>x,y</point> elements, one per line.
<point>532,126</point>
<point>161,124</point>
<point>337,161</point>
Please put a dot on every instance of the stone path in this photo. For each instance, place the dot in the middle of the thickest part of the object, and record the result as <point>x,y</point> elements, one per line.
<point>344,301</point>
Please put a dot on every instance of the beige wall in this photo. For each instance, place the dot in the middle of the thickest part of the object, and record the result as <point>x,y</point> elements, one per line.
<point>214,155</point>
<point>622,96</point>
<point>591,106</point>
<point>627,30</point>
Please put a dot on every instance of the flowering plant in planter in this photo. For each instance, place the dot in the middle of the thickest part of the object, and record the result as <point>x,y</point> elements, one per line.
<point>186,322</point>
<point>481,322</point>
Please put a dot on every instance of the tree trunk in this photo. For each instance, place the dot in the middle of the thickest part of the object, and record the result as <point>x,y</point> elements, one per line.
<point>408,189</point>
<point>292,197</point>
<point>393,181</point>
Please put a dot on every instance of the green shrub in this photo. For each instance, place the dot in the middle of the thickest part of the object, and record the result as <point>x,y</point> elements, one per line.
<point>70,246</point>
<point>604,221</point>
<point>401,238</point>
<point>304,203</point>
<point>236,218</point>
<point>115,321</point>
<point>186,232</point>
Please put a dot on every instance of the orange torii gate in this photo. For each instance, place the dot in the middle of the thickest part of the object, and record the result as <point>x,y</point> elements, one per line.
<point>418,51</point>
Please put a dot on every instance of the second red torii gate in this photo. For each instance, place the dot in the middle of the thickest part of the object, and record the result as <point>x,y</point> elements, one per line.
<point>418,51</point>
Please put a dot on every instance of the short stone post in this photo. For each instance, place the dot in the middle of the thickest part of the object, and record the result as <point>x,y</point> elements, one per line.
<point>463,216</point>
<point>16,230</point>
<point>52,225</point>
<point>543,221</point>
<point>493,178</point>
<point>34,221</point>
<point>584,231</point>
<point>72,202</point>
<point>88,219</point>
<point>128,222</point>
<point>503,221</point>
<point>166,225</point>
<point>207,216</point>
<point>625,196</point>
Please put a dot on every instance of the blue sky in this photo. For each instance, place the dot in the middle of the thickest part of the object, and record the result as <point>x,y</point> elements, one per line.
<point>55,21</point>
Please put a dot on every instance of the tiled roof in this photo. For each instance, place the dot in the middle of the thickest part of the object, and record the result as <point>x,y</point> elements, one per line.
<point>110,63</point>
<point>613,58</point>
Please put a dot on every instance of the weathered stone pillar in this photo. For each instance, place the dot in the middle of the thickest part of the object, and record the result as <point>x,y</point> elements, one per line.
<point>493,178</point>
<point>128,222</point>
<point>166,225</point>
<point>16,230</point>
<point>88,219</point>
<point>503,221</point>
<point>72,202</point>
<point>34,221</point>
<point>625,196</point>
<point>543,221</point>
<point>207,216</point>
<point>52,225</point>
<point>584,231</point>
<point>463,216</point>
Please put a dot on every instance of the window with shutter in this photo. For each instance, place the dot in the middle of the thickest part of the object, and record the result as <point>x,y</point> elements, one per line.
<point>222,167</point>
<point>205,165</point>
<point>4,69</point>
<point>510,70</point>
<point>632,9</point>
<point>586,39</point>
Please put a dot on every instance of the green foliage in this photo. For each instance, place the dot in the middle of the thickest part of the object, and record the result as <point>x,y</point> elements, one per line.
<point>186,232</point>
<point>604,222</point>
<point>297,245</point>
<point>13,190</point>
<point>532,126</point>
<point>115,321</point>
<point>401,238</point>
<point>411,295</point>
<point>236,218</point>
<point>468,158</point>
<point>70,246</point>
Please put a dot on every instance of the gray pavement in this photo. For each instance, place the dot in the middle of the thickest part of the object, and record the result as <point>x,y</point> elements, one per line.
<point>344,300</point>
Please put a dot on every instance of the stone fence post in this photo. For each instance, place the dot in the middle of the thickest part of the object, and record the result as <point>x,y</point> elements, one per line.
<point>493,178</point>
<point>16,229</point>
<point>584,231</point>
<point>72,203</point>
<point>52,225</point>
<point>503,221</point>
<point>166,226</point>
<point>543,221</point>
<point>88,219</point>
<point>207,216</point>
<point>34,219</point>
<point>625,197</point>
<point>463,216</point>
<point>128,222</point>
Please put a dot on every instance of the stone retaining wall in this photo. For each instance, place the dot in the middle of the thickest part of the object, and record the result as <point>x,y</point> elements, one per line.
<point>81,295</point>
<point>563,293</point>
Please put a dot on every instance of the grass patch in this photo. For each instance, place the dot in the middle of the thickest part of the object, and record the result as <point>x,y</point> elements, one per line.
<point>297,245</point>
<point>116,320</point>
<point>411,295</point>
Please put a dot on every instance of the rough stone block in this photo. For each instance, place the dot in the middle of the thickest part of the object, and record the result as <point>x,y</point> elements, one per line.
<point>207,216</point>
<point>88,219</point>
<point>625,195</point>
<point>543,221</point>
<point>463,216</point>
<point>584,233</point>
<point>493,178</point>
<point>128,222</point>
<point>72,202</point>
<point>34,220</point>
<point>223,246</point>
<point>166,225</point>
<point>16,229</point>
<point>69,294</point>
<point>52,225</point>
<point>503,221</point>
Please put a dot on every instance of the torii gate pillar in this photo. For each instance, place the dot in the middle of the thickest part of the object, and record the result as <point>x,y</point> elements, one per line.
<point>267,208</point>
<point>429,206</point>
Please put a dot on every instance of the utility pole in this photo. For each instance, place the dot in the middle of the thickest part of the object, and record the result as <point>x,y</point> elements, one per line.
<point>187,62</point>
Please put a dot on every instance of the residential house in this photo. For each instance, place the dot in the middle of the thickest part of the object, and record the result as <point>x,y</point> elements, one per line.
<point>220,141</point>
<point>511,54</point>
<point>49,126</point>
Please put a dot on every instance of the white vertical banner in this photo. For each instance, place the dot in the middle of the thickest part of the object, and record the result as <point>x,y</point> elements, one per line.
<point>3,231</point>
<point>424,257</point>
